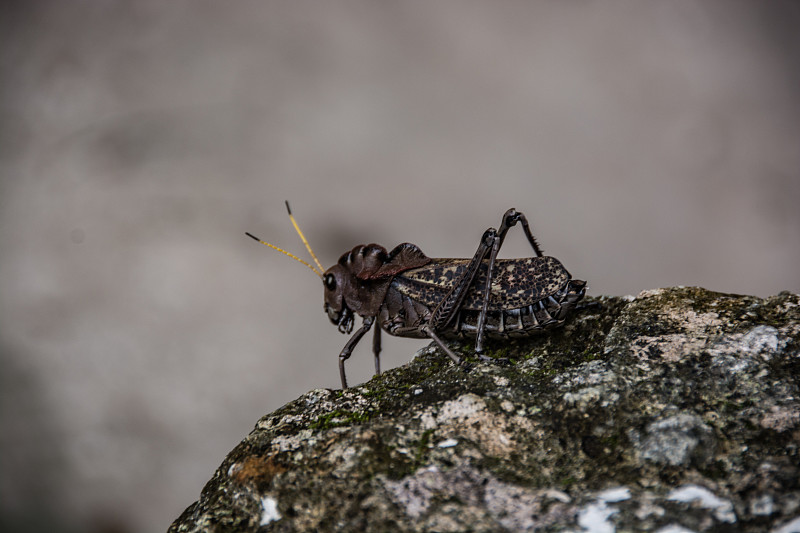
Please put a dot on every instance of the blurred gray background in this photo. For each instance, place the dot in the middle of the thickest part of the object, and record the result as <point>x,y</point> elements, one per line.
<point>143,334</point>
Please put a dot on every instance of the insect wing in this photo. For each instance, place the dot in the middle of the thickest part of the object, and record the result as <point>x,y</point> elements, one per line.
<point>517,282</point>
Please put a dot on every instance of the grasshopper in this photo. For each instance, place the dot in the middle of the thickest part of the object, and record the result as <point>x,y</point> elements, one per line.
<point>413,295</point>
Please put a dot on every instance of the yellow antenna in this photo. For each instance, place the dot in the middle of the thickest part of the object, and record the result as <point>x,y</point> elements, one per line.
<point>297,228</point>
<point>281,250</point>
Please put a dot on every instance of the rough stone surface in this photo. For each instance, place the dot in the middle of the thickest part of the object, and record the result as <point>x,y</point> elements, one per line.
<point>674,411</point>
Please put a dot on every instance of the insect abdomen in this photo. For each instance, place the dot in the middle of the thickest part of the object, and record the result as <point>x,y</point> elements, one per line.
<point>519,322</point>
<point>402,314</point>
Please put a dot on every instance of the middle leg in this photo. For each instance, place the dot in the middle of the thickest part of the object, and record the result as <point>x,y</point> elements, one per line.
<point>376,348</point>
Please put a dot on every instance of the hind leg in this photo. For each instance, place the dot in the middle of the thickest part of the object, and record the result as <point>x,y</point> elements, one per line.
<point>510,219</point>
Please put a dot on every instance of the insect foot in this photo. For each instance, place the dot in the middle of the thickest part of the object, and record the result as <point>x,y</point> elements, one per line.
<point>409,294</point>
<point>494,360</point>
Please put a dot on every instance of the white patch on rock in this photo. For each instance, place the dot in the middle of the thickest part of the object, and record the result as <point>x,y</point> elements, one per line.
<point>416,492</point>
<point>285,420</point>
<point>520,509</point>
<point>762,506</point>
<point>594,518</point>
<point>780,418</point>
<point>674,528</point>
<point>269,510</point>
<point>733,354</point>
<point>345,457</point>
<point>501,381</point>
<point>427,420</point>
<point>674,440</point>
<point>469,417</point>
<point>595,380</point>
<point>507,406</point>
<point>617,494</point>
<point>292,442</point>
<point>764,341</point>
<point>591,373</point>
<point>723,509</point>
<point>314,396</point>
<point>590,396</point>
<point>792,526</point>
<point>555,494</point>
<point>650,293</point>
<point>461,408</point>
<point>448,443</point>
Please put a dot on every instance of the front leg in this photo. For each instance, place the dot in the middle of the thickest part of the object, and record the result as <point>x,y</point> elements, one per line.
<point>347,351</point>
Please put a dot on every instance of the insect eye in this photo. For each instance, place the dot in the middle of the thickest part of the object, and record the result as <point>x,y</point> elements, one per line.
<point>330,282</point>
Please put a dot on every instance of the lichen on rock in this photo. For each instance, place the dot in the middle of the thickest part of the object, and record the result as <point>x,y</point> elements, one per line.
<point>676,410</point>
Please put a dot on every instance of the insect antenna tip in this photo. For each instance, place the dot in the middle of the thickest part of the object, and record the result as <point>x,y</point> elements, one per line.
<point>289,209</point>
<point>252,236</point>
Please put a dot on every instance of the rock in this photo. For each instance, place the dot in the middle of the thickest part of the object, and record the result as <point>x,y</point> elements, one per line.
<point>675,411</point>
